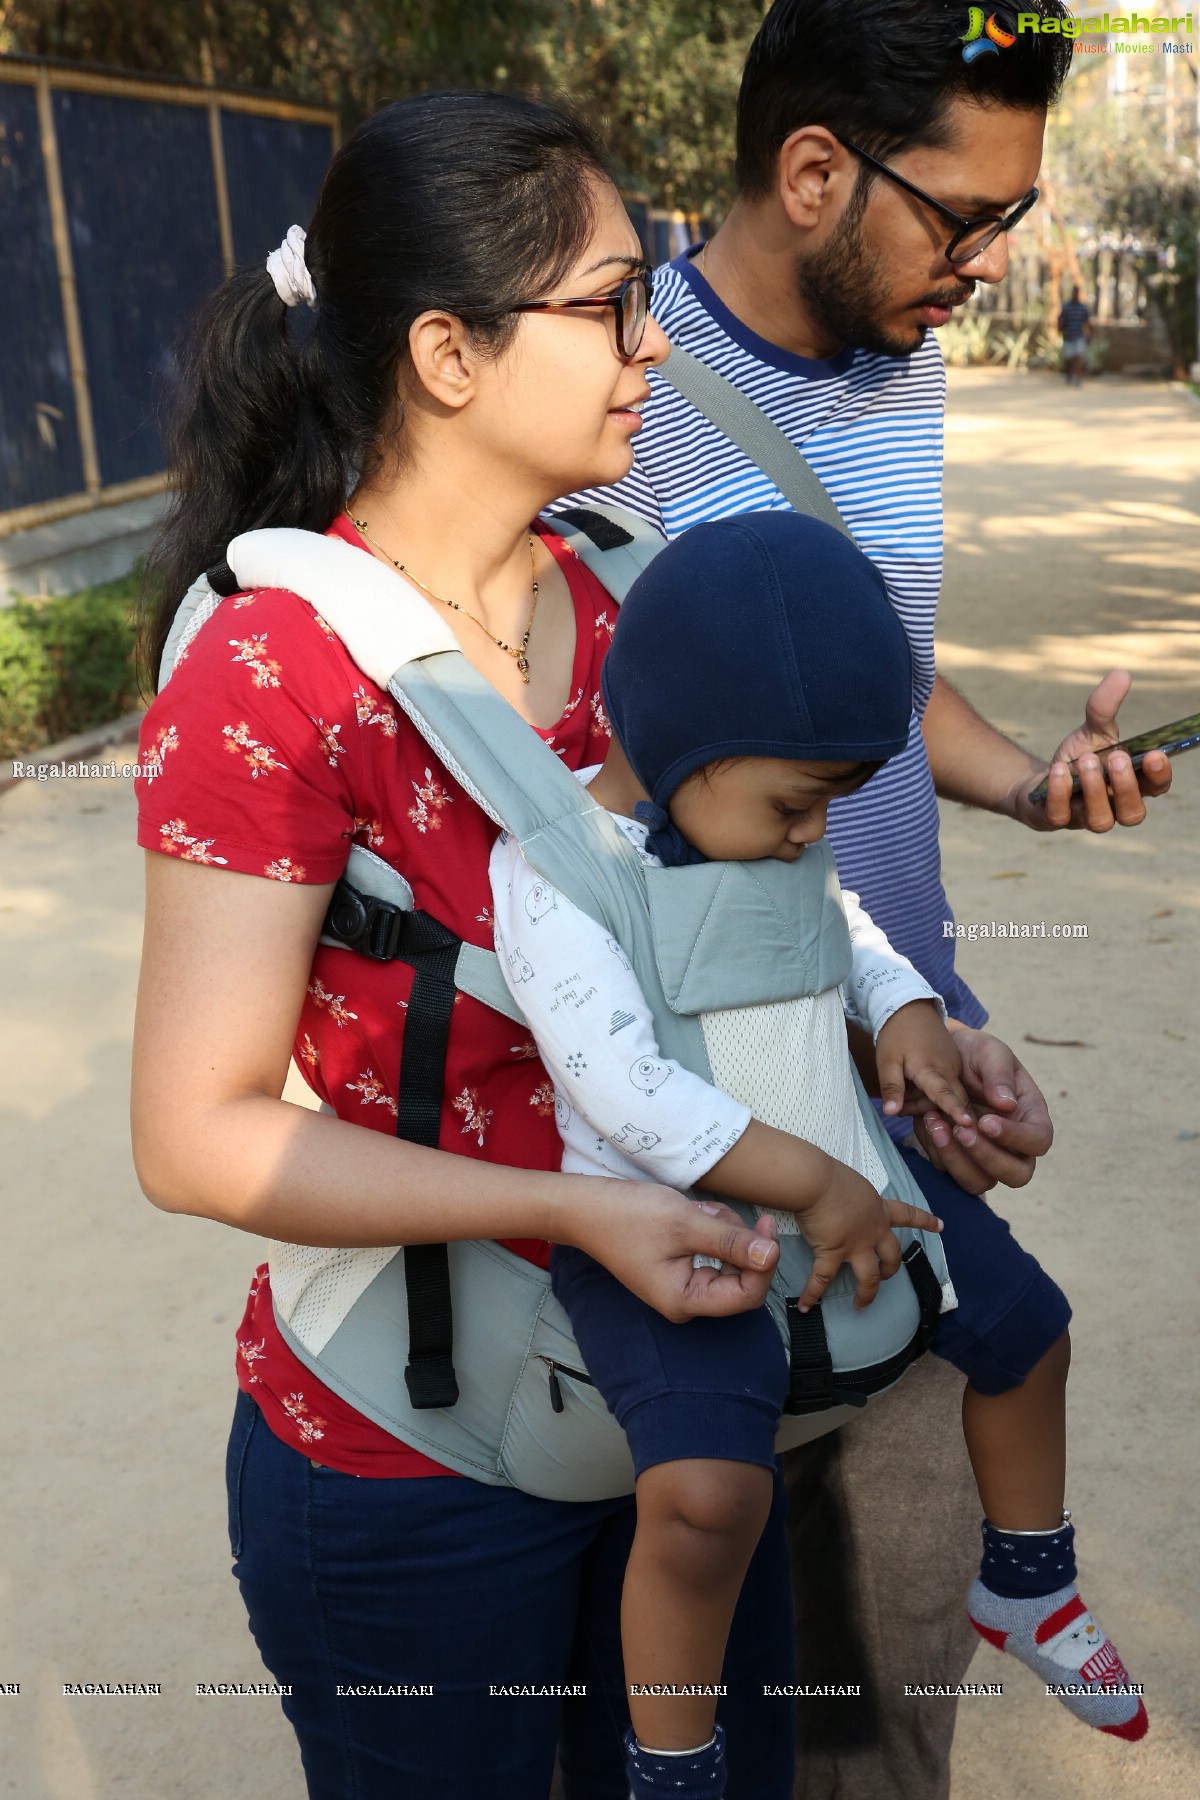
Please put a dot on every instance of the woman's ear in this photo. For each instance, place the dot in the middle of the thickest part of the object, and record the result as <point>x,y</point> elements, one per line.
<point>811,166</point>
<point>444,361</point>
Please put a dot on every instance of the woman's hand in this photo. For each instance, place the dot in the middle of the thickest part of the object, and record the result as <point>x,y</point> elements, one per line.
<point>647,1235</point>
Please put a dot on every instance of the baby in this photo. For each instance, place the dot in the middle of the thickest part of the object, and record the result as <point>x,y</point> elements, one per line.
<point>758,671</point>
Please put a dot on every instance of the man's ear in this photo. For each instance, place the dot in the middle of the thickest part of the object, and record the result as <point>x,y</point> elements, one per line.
<point>444,361</point>
<point>813,172</point>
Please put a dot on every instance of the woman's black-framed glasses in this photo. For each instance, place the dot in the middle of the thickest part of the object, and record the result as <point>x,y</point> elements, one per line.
<point>971,236</point>
<point>630,304</point>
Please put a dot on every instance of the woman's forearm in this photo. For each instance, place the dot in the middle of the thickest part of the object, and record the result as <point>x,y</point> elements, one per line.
<point>225,964</point>
<point>302,1177</point>
<point>284,1172</point>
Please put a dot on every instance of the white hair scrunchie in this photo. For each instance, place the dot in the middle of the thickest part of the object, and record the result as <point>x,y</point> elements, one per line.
<point>289,271</point>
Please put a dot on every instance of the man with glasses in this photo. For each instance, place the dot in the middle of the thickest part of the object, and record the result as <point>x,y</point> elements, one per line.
<point>879,174</point>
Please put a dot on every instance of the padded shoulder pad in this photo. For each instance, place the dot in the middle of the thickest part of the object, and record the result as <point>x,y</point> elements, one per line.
<point>381,618</point>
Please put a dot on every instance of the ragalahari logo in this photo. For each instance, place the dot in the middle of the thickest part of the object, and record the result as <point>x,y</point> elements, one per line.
<point>984,36</point>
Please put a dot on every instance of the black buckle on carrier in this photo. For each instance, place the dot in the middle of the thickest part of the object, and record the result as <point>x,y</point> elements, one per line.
<point>361,922</point>
<point>815,1387</point>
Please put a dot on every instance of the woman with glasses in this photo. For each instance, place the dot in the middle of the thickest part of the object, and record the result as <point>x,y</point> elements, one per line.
<point>461,338</point>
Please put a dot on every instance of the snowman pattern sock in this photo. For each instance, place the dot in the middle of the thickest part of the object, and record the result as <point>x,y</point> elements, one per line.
<point>1025,1601</point>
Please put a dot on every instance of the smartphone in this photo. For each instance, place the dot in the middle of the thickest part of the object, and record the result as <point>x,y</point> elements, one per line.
<point>1172,740</point>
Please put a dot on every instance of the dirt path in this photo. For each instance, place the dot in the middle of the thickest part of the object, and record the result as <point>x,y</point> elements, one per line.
<point>1073,544</point>
<point>1073,547</point>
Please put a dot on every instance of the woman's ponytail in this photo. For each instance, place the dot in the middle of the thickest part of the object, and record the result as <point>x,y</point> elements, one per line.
<point>250,443</point>
<point>472,202</point>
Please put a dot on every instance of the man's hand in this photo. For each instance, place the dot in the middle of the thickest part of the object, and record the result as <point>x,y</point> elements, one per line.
<point>919,1065</point>
<point>1012,1125</point>
<point>1119,800</point>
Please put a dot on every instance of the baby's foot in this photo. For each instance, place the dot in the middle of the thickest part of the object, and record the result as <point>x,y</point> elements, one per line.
<point>1056,1636</point>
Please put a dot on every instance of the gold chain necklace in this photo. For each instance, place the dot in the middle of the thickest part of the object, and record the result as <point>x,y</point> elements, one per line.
<point>518,653</point>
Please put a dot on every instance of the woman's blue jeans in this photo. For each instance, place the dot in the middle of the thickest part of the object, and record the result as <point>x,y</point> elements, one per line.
<point>447,1583</point>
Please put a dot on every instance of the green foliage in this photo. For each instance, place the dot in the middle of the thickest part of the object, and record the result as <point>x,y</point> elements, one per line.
<point>660,76</point>
<point>1173,286</point>
<point>26,683</point>
<point>1116,177</point>
<point>66,664</point>
<point>1012,348</point>
<point>1094,355</point>
<point>964,340</point>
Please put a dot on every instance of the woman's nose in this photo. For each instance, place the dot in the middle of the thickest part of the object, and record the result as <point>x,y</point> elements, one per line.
<point>655,346</point>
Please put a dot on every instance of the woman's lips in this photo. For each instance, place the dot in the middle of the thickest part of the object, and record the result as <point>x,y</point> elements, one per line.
<point>630,415</point>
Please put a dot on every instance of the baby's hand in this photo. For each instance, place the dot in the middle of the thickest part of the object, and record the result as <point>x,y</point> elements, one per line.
<point>849,1222</point>
<point>919,1065</point>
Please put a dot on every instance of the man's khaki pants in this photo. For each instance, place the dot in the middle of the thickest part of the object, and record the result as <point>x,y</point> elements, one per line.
<point>884,1531</point>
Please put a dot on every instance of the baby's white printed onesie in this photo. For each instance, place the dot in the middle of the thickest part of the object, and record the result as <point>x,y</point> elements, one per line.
<point>623,1109</point>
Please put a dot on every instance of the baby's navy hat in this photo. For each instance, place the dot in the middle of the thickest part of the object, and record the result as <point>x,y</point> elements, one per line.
<point>768,634</point>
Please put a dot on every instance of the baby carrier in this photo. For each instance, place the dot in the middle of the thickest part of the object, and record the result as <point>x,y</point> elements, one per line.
<point>494,1385</point>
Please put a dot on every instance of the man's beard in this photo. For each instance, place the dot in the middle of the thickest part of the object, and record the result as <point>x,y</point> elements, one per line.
<point>846,293</point>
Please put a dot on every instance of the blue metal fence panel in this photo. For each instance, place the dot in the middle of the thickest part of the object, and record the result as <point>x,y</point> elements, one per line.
<point>660,237</point>
<point>639,217</point>
<point>39,441</point>
<point>145,236</point>
<point>273,171</point>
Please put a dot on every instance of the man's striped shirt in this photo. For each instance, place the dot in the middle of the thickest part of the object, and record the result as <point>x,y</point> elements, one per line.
<point>871,427</point>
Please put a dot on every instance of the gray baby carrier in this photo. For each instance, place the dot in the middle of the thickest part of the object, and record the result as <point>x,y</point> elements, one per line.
<point>494,1385</point>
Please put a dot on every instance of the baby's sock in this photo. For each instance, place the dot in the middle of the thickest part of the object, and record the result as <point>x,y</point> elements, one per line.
<point>1025,1601</point>
<point>680,1774</point>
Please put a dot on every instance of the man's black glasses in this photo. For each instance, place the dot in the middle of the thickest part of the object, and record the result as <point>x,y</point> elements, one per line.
<point>630,304</point>
<point>971,236</point>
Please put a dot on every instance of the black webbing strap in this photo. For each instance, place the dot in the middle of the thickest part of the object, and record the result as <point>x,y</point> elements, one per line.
<point>928,1290</point>
<point>429,1373</point>
<point>812,1387</point>
<point>386,933</point>
<point>604,532</point>
<point>815,1387</point>
<point>222,580</point>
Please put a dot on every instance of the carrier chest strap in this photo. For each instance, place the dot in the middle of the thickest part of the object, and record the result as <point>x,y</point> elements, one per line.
<point>387,933</point>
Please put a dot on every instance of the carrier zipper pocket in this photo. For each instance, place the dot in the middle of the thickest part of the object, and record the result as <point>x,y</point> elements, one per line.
<point>556,1398</point>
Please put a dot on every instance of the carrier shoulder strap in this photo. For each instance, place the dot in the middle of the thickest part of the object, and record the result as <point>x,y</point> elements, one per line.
<point>613,542</point>
<point>747,426</point>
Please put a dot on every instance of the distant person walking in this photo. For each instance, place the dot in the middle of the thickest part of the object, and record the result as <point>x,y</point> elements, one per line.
<point>1075,323</point>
